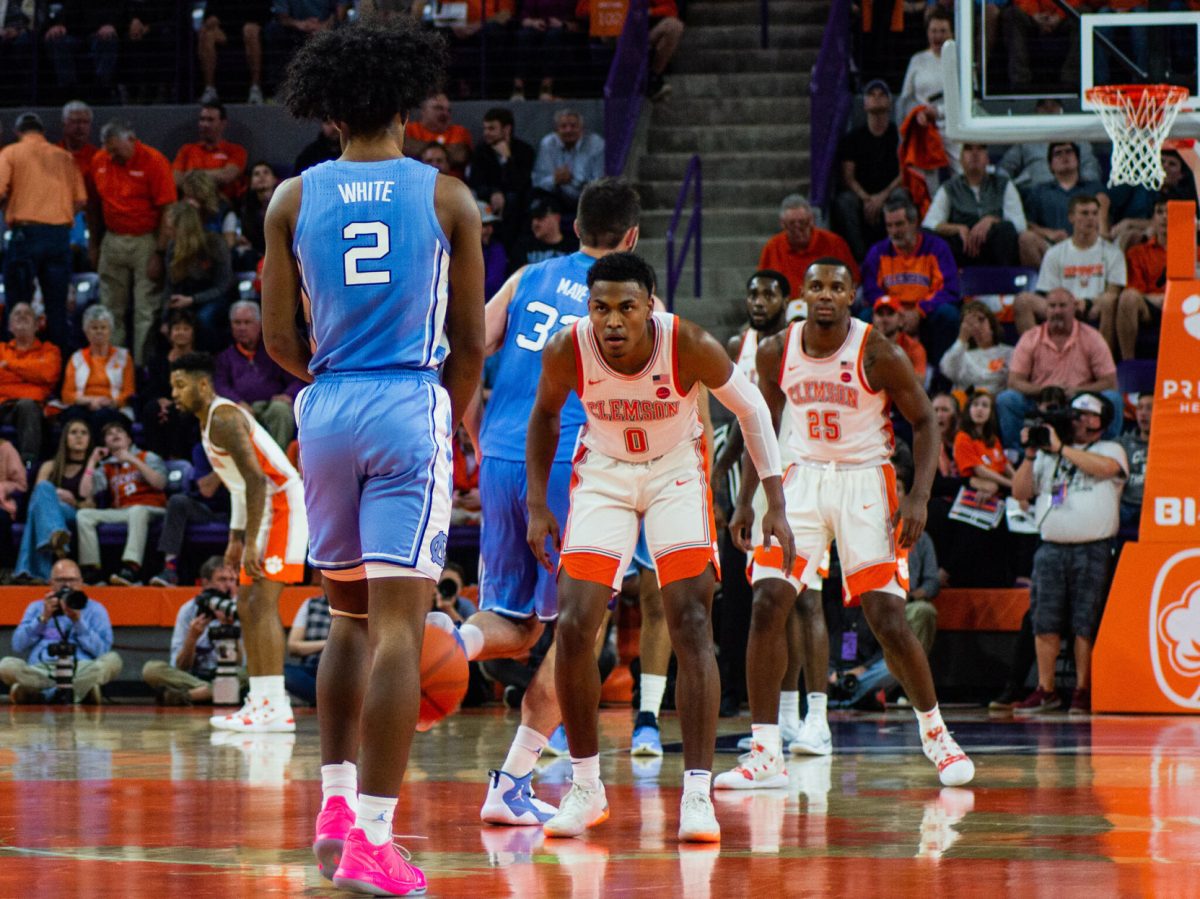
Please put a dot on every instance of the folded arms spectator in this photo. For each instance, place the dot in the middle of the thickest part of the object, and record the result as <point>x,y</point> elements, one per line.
<point>99,378</point>
<point>224,161</point>
<point>568,159</point>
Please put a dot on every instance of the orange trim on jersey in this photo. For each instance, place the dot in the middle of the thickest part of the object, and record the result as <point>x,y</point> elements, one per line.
<point>787,342</point>
<point>578,360</point>
<point>832,357</point>
<point>675,356</point>
<point>271,472</point>
<point>593,567</point>
<point>705,467</point>
<point>638,375</point>
<point>277,546</point>
<point>685,563</point>
<point>862,371</point>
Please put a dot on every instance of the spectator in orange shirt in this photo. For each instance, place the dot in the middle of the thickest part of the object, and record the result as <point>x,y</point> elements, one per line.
<point>887,319</point>
<point>134,185</point>
<point>1029,20</point>
<point>41,190</point>
<point>800,243</point>
<point>1146,283</point>
<point>225,162</point>
<point>978,452</point>
<point>98,381</point>
<point>29,369</point>
<point>434,127</point>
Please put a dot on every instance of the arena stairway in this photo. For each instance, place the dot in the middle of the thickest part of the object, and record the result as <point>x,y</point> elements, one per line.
<point>745,111</point>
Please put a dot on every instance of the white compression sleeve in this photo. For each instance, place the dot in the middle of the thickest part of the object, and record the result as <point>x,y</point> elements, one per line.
<point>742,398</point>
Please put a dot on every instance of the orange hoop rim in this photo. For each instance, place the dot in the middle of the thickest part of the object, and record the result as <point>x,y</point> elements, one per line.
<point>1116,94</point>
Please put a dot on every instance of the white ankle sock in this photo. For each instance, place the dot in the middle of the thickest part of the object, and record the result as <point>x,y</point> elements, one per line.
<point>817,704</point>
<point>268,687</point>
<point>472,638</point>
<point>789,709</point>
<point>696,780</point>
<point>767,736</point>
<point>929,721</point>
<point>340,780</point>
<point>375,817</point>
<point>653,686</point>
<point>586,772</point>
<point>523,754</point>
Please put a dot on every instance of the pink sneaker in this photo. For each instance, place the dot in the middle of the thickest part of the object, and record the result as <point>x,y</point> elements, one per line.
<point>333,824</point>
<point>376,870</point>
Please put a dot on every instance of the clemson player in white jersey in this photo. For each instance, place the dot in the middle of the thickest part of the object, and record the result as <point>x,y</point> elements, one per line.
<point>835,377</point>
<point>641,457</point>
<point>268,534</point>
<point>768,312</point>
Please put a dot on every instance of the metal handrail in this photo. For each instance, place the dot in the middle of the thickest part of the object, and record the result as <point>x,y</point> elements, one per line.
<point>693,232</point>
<point>625,87</point>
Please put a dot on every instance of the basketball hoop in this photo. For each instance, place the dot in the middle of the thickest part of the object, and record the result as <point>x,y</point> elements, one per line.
<point>1137,117</point>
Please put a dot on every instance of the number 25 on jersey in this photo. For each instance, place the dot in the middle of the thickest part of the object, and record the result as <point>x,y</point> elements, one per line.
<point>824,425</point>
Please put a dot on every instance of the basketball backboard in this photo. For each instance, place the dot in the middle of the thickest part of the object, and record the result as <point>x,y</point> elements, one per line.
<point>1011,78</point>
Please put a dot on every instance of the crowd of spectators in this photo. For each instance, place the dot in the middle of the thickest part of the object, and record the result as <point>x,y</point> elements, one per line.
<point>170,51</point>
<point>89,426</point>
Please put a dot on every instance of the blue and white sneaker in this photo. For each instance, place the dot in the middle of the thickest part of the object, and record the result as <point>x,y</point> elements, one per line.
<point>814,738</point>
<point>510,800</point>
<point>646,737</point>
<point>557,747</point>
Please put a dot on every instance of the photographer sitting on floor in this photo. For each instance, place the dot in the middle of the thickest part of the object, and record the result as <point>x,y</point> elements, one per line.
<point>188,677</point>
<point>68,639</point>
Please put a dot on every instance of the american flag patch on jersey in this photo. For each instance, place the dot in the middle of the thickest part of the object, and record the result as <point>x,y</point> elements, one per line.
<point>846,363</point>
<point>656,378</point>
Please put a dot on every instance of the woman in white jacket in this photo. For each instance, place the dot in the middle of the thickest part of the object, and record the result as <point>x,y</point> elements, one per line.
<point>977,359</point>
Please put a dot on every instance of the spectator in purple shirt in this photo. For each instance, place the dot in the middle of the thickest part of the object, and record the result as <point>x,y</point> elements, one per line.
<point>495,259</point>
<point>248,376</point>
<point>916,268</point>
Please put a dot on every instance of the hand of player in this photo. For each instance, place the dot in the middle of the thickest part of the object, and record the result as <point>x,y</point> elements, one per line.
<point>252,560</point>
<point>233,554</point>
<point>740,527</point>
<point>541,526</point>
<point>775,528</point>
<point>910,516</point>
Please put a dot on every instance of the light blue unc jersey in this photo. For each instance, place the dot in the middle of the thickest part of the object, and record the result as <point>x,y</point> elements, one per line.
<point>550,296</point>
<point>374,264</point>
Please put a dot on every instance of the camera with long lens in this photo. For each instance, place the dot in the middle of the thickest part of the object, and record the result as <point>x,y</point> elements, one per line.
<point>63,650</point>
<point>844,686</point>
<point>72,599</point>
<point>224,636</point>
<point>1057,419</point>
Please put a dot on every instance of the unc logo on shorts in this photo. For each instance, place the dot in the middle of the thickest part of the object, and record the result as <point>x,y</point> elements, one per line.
<point>437,549</point>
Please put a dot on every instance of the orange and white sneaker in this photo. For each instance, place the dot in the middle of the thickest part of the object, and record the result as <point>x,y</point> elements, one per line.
<point>954,768</point>
<point>758,769</point>
<point>581,808</point>
<point>258,716</point>
<point>698,820</point>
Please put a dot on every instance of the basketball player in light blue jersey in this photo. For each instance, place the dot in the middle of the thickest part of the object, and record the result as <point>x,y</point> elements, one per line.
<point>386,254</point>
<point>518,595</point>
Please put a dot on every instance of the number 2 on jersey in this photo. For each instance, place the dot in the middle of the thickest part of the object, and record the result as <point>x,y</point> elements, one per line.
<point>351,258</point>
<point>824,425</point>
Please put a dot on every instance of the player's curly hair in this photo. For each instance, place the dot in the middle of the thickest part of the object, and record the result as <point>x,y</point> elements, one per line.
<point>622,267</point>
<point>363,75</point>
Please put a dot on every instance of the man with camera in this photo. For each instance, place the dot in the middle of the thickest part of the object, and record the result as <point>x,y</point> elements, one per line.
<point>68,640</point>
<point>1077,480</point>
<point>1062,352</point>
<point>188,678</point>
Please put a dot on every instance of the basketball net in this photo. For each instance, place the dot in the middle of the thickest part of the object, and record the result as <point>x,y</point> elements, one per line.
<point>1137,117</point>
